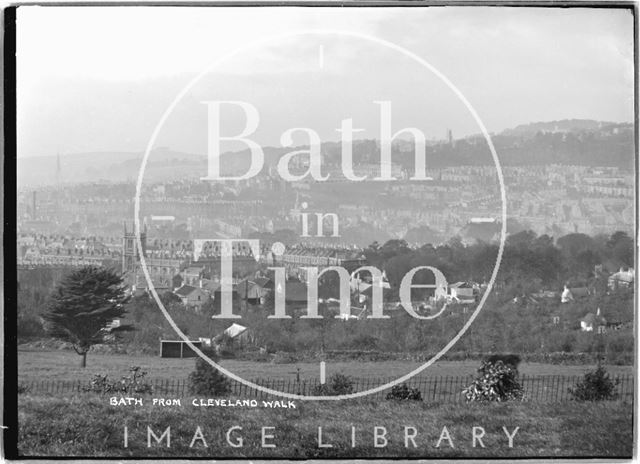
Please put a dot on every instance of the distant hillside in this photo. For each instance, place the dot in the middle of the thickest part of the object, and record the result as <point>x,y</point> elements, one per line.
<point>575,141</point>
<point>163,164</point>
<point>565,125</point>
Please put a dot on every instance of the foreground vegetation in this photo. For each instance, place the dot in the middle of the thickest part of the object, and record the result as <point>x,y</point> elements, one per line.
<point>62,365</point>
<point>86,425</point>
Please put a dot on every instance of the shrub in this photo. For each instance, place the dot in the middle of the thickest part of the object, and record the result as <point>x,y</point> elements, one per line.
<point>135,382</point>
<point>338,384</point>
<point>363,342</point>
<point>23,389</point>
<point>596,386</point>
<point>403,392</point>
<point>512,360</point>
<point>225,346</point>
<point>206,379</point>
<point>495,382</point>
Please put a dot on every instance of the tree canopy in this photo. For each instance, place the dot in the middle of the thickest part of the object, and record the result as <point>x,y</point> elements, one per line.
<point>83,307</point>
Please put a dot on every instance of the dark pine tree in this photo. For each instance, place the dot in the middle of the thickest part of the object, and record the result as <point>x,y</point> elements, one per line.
<point>84,305</point>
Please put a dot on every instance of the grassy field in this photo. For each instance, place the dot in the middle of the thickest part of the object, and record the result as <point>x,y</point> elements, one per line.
<point>63,365</point>
<point>86,425</point>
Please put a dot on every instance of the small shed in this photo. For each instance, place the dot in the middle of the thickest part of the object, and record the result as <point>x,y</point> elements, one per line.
<point>462,291</point>
<point>192,296</point>
<point>574,293</point>
<point>178,349</point>
<point>621,279</point>
<point>250,291</point>
<point>236,331</point>
<point>593,322</point>
<point>236,334</point>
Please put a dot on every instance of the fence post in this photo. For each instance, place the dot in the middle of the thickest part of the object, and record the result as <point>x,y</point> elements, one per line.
<point>560,388</point>
<point>454,389</point>
<point>540,388</point>
<point>447,389</point>
<point>435,385</point>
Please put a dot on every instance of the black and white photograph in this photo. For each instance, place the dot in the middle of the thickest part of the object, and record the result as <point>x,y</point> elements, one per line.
<point>332,231</point>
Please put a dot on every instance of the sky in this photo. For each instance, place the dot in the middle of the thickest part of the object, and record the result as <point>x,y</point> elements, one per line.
<point>100,78</point>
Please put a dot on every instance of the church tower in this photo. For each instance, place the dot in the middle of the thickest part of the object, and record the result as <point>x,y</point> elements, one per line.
<point>130,249</point>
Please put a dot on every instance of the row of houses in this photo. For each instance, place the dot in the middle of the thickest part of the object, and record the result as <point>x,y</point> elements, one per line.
<point>252,290</point>
<point>623,279</point>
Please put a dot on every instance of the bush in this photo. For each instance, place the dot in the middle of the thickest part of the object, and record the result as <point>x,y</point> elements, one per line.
<point>23,389</point>
<point>496,382</point>
<point>338,384</point>
<point>511,360</point>
<point>362,342</point>
<point>403,392</point>
<point>596,386</point>
<point>225,346</point>
<point>206,379</point>
<point>135,382</point>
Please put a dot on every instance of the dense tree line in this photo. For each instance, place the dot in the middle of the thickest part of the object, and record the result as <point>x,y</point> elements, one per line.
<point>510,320</point>
<point>527,258</point>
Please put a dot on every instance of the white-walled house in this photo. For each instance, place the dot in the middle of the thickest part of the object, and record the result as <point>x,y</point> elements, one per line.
<point>593,322</point>
<point>462,291</point>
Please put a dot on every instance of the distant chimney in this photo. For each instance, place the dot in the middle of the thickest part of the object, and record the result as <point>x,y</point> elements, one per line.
<point>598,312</point>
<point>201,282</point>
<point>33,206</point>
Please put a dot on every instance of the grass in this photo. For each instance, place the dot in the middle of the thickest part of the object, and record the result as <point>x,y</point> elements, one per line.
<point>64,365</point>
<point>86,425</point>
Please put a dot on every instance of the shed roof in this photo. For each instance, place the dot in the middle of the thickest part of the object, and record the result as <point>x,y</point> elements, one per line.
<point>593,319</point>
<point>234,330</point>
<point>185,290</point>
<point>579,292</point>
